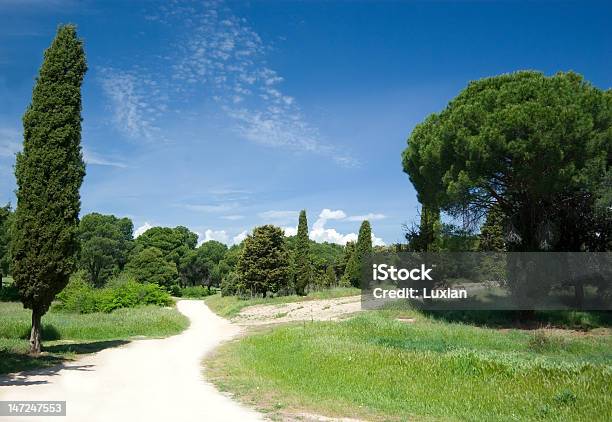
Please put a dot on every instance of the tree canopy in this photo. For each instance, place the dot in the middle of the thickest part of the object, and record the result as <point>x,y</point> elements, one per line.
<point>105,244</point>
<point>149,265</point>
<point>535,147</point>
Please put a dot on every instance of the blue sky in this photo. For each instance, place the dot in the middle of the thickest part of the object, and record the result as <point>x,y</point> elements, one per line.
<point>221,116</point>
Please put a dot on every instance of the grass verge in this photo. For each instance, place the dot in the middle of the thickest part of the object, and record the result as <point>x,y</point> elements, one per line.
<point>378,367</point>
<point>230,306</point>
<point>66,334</point>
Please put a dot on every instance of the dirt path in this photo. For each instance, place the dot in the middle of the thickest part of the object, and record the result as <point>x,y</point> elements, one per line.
<point>316,310</point>
<point>146,380</point>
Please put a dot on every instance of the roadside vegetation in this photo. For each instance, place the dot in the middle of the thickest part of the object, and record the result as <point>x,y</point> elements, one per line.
<point>398,365</point>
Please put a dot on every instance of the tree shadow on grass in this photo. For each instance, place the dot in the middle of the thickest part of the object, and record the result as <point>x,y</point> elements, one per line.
<point>23,369</point>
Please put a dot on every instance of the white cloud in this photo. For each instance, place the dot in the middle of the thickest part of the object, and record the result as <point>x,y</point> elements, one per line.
<point>377,241</point>
<point>290,231</point>
<point>278,216</point>
<point>140,230</point>
<point>331,235</point>
<point>369,217</point>
<point>240,237</point>
<point>218,235</point>
<point>327,214</point>
<point>95,159</point>
<point>232,217</point>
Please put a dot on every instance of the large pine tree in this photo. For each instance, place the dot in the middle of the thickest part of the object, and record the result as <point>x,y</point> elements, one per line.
<point>49,174</point>
<point>302,264</point>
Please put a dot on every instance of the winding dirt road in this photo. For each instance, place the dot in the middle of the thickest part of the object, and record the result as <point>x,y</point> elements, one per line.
<point>145,380</point>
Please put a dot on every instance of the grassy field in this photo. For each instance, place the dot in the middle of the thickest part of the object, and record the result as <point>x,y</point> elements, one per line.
<point>67,334</point>
<point>383,367</point>
<point>229,306</point>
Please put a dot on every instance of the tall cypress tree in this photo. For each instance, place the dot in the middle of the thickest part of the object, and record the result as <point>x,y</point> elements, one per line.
<point>363,248</point>
<point>49,174</point>
<point>302,256</point>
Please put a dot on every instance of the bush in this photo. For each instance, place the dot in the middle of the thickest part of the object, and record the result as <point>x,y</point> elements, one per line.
<point>197,291</point>
<point>79,296</point>
<point>231,285</point>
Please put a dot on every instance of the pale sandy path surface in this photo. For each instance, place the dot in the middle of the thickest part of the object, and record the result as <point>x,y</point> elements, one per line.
<point>315,310</point>
<point>145,380</point>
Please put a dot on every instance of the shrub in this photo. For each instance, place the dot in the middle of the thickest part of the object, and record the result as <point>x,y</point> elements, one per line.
<point>79,296</point>
<point>197,291</point>
<point>231,285</point>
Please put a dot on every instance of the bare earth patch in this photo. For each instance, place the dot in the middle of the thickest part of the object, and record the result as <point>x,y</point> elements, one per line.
<point>312,310</point>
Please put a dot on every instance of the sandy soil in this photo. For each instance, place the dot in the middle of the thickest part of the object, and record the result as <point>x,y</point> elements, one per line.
<point>315,310</point>
<point>145,380</point>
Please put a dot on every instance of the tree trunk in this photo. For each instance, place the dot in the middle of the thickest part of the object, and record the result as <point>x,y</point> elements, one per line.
<point>35,335</point>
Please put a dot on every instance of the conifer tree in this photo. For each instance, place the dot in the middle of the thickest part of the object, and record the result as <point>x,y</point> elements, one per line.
<point>303,272</point>
<point>363,248</point>
<point>49,173</point>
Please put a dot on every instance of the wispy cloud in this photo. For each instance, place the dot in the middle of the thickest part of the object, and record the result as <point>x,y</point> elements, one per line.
<point>221,55</point>
<point>212,208</point>
<point>93,158</point>
<point>277,216</point>
<point>369,217</point>
<point>136,102</point>
<point>232,217</point>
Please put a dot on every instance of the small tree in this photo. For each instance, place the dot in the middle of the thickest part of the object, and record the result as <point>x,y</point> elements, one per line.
<point>6,217</point>
<point>49,173</point>
<point>263,266</point>
<point>363,249</point>
<point>303,270</point>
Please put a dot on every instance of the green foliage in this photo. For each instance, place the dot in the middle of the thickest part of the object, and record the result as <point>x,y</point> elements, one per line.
<point>149,265</point>
<point>301,261</point>
<point>426,238</point>
<point>491,238</point>
<point>174,243</point>
<point>330,277</point>
<point>535,147</point>
<point>49,173</point>
<point>79,296</point>
<point>264,266</point>
<point>363,249</point>
<point>6,218</point>
<point>197,291</point>
<point>232,285</point>
<point>105,244</point>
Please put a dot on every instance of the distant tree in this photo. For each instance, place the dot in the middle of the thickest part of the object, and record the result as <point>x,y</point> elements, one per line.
<point>302,265</point>
<point>330,276</point>
<point>105,245</point>
<point>174,243</point>
<point>6,217</point>
<point>49,173</point>
<point>263,266</point>
<point>425,237</point>
<point>491,238</point>
<point>363,249</point>
<point>203,265</point>
<point>349,250</point>
<point>149,265</point>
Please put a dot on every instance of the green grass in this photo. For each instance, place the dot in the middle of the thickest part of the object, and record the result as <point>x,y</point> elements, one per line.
<point>375,366</point>
<point>65,334</point>
<point>229,306</point>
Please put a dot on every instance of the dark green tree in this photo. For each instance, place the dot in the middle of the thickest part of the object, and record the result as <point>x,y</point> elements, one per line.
<point>535,147</point>
<point>363,249</point>
<point>175,243</point>
<point>491,238</point>
<point>6,218</point>
<point>106,242</point>
<point>302,264</point>
<point>149,265</point>
<point>330,276</point>
<point>203,265</point>
<point>49,173</point>
<point>264,266</point>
